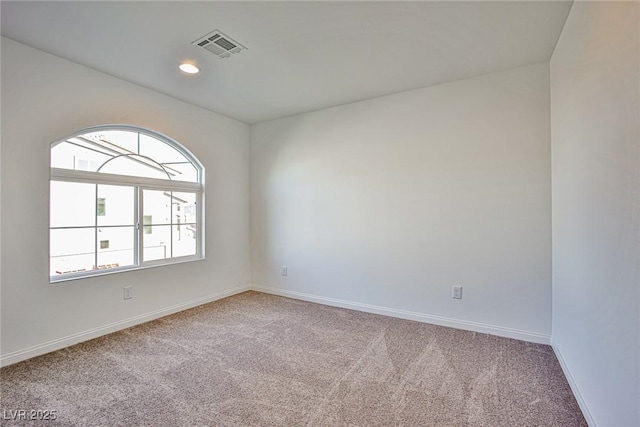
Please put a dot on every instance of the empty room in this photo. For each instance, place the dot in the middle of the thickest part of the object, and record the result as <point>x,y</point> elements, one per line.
<point>320,213</point>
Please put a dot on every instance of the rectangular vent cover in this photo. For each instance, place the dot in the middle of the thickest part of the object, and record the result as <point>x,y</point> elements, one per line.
<point>219,44</point>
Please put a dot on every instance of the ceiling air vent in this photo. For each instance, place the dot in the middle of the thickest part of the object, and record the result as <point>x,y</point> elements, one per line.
<point>219,43</point>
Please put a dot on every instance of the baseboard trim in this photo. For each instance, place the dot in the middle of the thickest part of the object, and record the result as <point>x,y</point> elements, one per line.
<point>47,347</point>
<point>574,387</point>
<point>411,315</point>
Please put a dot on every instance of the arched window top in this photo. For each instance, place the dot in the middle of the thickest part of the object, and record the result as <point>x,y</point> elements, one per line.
<point>126,150</point>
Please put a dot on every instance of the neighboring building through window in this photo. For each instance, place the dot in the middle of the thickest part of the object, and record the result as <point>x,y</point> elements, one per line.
<point>122,198</point>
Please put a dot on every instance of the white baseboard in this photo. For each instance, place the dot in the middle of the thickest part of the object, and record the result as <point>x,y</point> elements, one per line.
<point>411,315</point>
<point>47,347</point>
<point>37,350</point>
<point>574,387</point>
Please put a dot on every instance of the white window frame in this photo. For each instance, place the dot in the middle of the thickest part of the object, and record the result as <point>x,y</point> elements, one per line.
<point>139,184</point>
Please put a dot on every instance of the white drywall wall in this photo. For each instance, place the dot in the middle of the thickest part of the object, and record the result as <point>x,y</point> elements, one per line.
<point>595,121</point>
<point>45,98</point>
<point>391,201</point>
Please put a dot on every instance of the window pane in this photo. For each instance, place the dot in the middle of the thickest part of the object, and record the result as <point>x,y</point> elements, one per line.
<point>157,207</point>
<point>72,204</point>
<point>159,151</point>
<point>134,165</point>
<point>182,172</point>
<point>184,207</point>
<point>115,247</point>
<point>157,243</point>
<point>71,250</point>
<point>115,205</point>
<point>117,140</point>
<point>184,240</point>
<point>76,154</point>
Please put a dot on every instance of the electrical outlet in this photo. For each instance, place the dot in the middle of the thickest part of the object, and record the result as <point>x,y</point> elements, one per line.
<point>127,292</point>
<point>284,270</point>
<point>457,292</point>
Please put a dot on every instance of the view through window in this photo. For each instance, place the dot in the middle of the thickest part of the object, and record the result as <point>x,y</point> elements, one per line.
<point>122,198</point>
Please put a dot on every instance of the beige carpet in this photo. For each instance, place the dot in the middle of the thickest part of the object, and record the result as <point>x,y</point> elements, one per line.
<point>260,360</point>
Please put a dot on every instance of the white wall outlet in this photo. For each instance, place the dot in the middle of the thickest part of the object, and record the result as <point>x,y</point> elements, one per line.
<point>284,270</point>
<point>127,292</point>
<point>457,292</point>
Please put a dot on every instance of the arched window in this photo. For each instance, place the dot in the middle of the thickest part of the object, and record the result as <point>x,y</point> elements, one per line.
<point>122,198</point>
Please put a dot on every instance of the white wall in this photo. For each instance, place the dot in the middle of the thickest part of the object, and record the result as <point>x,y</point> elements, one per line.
<point>389,202</point>
<point>45,98</point>
<point>595,121</point>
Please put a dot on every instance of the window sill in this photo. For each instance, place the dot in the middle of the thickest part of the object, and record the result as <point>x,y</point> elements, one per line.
<point>96,273</point>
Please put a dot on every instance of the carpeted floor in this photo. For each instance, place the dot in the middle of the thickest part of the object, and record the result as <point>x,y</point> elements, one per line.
<point>260,360</point>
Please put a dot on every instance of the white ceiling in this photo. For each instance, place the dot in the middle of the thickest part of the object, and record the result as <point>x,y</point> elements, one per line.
<point>301,56</point>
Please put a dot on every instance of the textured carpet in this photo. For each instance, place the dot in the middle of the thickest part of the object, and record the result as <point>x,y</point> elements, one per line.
<point>260,360</point>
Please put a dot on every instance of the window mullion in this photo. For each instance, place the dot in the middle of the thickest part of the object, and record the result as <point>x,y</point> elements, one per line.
<point>112,179</point>
<point>139,209</point>
<point>95,232</point>
<point>171,222</point>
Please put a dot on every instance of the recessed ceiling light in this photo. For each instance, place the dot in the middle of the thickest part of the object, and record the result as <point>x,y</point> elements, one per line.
<point>189,68</point>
